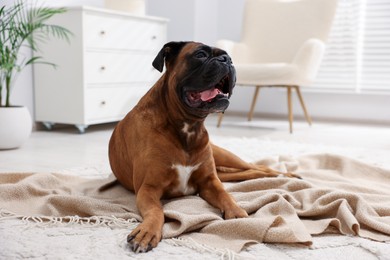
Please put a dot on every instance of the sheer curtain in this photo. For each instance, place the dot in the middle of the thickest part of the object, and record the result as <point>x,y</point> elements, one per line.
<point>357,58</point>
<point>375,53</point>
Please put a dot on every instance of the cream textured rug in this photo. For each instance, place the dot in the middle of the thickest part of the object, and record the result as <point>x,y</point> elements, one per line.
<point>336,195</point>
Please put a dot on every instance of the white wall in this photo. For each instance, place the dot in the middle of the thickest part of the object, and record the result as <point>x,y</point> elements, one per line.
<point>199,20</point>
<point>210,20</point>
<point>181,17</point>
<point>230,14</point>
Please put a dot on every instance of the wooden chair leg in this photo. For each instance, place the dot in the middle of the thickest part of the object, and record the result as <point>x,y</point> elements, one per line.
<point>254,100</point>
<point>307,116</point>
<point>289,102</point>
<point>220,117</point>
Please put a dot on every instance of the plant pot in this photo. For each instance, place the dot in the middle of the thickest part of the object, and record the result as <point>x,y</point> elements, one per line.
<point>15,126</point>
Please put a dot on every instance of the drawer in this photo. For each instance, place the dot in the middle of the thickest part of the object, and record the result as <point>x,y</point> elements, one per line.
<point>104,31</point>
<point>111,103</point>
<point>101,67</point>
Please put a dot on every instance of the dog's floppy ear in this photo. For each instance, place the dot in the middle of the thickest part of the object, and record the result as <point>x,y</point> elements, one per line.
<point>167,54</point>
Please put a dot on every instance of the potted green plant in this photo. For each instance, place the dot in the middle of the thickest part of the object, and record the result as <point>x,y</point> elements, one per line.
<point>21,27</point>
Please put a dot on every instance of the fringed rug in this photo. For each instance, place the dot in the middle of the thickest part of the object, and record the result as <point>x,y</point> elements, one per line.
<point>337,195</point>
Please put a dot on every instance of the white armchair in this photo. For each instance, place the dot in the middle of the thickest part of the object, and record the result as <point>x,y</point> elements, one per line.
<point>282,45</point>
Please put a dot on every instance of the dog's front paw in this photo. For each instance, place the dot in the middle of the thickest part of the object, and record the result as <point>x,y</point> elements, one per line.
<point>143,238</point>
<point>234,212</point>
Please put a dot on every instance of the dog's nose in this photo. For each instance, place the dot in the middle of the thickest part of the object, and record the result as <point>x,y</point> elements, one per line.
<point>224,58</point>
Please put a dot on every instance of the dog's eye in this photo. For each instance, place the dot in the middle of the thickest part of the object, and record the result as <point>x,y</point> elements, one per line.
<point>201,55</point>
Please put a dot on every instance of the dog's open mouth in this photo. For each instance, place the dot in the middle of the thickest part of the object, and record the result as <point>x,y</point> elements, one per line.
<point>219,91</point>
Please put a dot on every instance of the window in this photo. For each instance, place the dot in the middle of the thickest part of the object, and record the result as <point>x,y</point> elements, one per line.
<point>357,58</point>
<point>376,46</point>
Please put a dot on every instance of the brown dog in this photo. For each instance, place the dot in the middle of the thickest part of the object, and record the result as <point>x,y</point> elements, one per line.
<point>161,149</point>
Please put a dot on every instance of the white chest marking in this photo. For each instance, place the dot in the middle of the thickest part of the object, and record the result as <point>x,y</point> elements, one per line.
<point>187,131</point>
<point>184,174</point>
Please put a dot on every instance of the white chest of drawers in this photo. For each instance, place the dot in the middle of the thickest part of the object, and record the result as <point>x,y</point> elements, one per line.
<point>104,70</point>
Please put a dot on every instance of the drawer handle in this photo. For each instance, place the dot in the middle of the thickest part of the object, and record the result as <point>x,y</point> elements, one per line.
<point>154,37</point>
<point>103,103</point>
<point>103,68</point>
<point>102,32</point>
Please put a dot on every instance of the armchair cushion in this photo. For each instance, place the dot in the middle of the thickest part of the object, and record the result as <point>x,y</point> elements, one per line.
<point>268,74</point>
<point>300,71</point>
<point>309,56</point>
<point>238,51</point>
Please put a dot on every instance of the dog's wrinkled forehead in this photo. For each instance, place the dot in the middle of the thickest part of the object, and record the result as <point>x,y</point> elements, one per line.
<point>173,51</point>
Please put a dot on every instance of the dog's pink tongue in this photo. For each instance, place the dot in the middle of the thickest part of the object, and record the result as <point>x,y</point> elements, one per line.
<point>208,95</point>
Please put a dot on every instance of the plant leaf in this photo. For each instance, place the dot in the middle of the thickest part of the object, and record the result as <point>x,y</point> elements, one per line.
<point>19,25</point>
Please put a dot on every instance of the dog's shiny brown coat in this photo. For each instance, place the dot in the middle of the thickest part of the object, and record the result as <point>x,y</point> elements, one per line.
<point>163,141</point>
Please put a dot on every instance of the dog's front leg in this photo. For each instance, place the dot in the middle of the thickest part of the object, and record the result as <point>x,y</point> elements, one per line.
<point>147,234</point>
<point>214,193</point>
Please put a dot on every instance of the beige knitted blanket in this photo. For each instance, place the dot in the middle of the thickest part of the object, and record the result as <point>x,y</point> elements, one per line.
<point>336,194</point>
